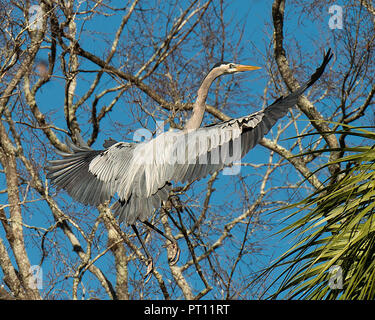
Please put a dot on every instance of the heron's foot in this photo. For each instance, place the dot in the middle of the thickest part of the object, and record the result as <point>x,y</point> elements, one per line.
<point>150,268</point>
<point>174,253</point>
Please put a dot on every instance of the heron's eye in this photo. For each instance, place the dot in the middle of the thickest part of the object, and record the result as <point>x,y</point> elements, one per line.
<point>231,65</point>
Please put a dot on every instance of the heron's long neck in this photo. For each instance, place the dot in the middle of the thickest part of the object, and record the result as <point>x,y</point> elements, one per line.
<point>200,104</point>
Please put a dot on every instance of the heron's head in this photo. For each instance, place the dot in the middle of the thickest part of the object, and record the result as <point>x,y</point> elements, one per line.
<point>230,67</point>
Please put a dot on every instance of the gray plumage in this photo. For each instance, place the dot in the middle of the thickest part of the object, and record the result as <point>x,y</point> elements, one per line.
<point>141,173</point>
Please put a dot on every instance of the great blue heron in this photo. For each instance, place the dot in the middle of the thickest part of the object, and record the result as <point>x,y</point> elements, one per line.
<point>94,176</point>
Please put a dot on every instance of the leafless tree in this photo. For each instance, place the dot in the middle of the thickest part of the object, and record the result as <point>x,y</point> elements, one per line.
<point>88,67</point>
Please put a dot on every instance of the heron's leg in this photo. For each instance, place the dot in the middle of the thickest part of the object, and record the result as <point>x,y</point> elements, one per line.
<point>175,249</point>
<point>150,263</point>
<point>148,224</point>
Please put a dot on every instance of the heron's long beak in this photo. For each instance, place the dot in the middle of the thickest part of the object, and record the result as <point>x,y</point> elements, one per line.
<point>241,67</point>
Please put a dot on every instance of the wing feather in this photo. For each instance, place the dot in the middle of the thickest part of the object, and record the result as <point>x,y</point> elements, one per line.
<point>72,174</point>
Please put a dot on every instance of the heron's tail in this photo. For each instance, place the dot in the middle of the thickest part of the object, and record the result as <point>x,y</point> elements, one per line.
<point>138,208</point>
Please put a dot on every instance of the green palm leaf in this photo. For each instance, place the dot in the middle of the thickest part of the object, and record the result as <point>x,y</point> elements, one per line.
<point>334,254</point>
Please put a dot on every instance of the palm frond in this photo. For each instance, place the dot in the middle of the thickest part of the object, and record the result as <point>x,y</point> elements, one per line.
<point>336,232</point>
